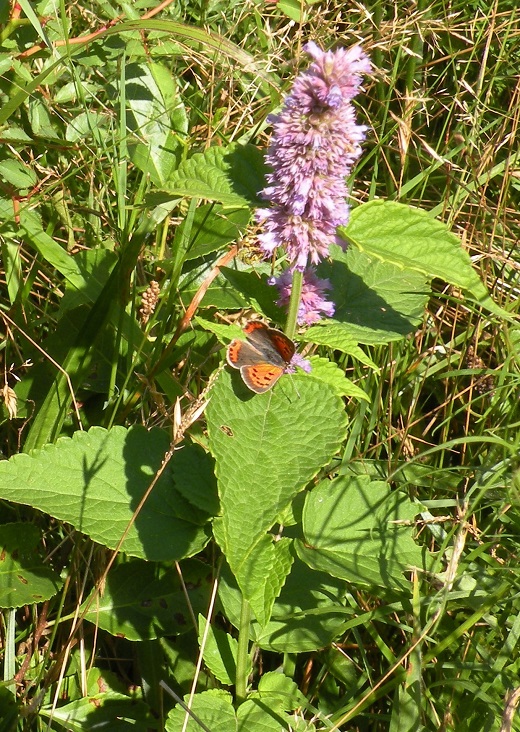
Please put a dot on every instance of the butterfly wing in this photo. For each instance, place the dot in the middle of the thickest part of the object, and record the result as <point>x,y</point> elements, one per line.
<point>284,346</point>
<point>274,345</point>
<point>241,353</point>
<point>261,377</point>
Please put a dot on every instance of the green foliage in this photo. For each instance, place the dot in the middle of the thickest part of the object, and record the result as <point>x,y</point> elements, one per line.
<point>25,580</point>
<point>96,480</point>
<point>274,444</point>
<point>341,551</point>
<point>354,526</point>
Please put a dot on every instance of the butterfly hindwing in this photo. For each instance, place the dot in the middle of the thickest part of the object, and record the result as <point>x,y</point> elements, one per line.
<point>261,377</point>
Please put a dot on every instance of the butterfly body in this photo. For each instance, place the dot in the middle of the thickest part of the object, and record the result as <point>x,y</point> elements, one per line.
<point>262,358</point>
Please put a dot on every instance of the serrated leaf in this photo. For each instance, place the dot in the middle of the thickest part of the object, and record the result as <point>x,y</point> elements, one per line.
<point>339,337</point>
<point>214,708</point>
<point>283,559</point>
<point>232,175</point>
<point>308,614</point>
<point>267,447</point>
<point>95,481</point>
<point>15,134</point>
<point>376,302</point>
<point>24,578</point>
<point>330,373</point>
<point>17,174</point>
<point>410,238</point>
<point>275,687</point>
<point>143,600</point>
<point>264,573</point>
<point>255,716</point>
<point>352,530</point>
<point>220,652</point>
<point>225,333</point>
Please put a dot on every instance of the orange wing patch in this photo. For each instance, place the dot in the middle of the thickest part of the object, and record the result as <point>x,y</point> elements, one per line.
<point>261,377</point>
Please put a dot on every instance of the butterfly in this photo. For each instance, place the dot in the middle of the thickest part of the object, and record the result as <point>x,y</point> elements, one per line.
<point>262,358</point>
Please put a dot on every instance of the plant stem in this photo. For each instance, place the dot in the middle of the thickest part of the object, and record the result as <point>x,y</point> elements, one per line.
<point>243,652</point>
<point>294,303</point>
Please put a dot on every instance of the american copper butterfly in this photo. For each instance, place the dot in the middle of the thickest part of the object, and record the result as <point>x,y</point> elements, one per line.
<point>262,358</point>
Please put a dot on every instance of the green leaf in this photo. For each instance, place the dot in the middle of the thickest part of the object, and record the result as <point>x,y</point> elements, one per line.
<point>338,337</point>
<point>17,174</point>
<point>75,89</point>
<point>269,591</point>
<point>220,294</point>
<point>109,710</point>
<point>411,239</point>
<point>88,124</point>
<point>330,373</point>
<point>376,302</point>
<point>95,481</point>
<point>49,249</point>
<point>154,105</point>
<point>233,175</point>
<point>39,117</point>
<point>293,9</point>
<point>86,281</point>
<point>225,333</point>
<point>143,600</point>
<point>24,577</point>
<point>267,447</point>
<point>275,686</point>
<point>256,715</point>
<point>213,228</point>
<point>215,710</point>
<point>220,653</point>
<point>253,285</point>
<point>194,476</point>
<point>308,614</point>
<point>264,573</point>
<point>352,530</point>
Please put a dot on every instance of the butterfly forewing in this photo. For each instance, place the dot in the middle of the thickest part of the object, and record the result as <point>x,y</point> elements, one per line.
<point>241,353</point>
<point>283,345</point>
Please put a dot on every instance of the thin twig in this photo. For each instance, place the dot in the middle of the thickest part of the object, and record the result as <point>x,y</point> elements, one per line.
<point>512,699</point>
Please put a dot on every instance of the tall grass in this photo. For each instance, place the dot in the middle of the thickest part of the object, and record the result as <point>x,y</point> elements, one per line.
<point>442,417</point>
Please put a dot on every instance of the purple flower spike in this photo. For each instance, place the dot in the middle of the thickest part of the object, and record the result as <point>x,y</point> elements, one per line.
<point>313,305</point>
<point>300,362</point>
<point>314,145</point>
